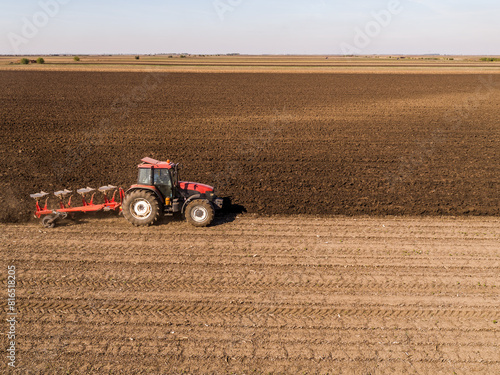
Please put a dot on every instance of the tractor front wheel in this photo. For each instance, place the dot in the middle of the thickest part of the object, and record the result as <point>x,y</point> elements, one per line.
<point>199,213</point>
<point>141,208</point>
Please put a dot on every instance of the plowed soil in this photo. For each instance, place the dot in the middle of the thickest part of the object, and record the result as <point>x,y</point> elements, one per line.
<point>295,295</point>
<point>349,144</point>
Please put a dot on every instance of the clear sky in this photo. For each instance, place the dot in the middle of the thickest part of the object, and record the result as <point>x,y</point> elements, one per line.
<point>250,26</point>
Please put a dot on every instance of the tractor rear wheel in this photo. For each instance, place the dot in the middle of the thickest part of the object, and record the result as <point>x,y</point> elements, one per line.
<point>199,213</point>
<point>141,208</point>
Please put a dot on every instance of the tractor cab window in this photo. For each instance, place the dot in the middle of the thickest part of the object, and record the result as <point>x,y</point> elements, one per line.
<point>163,181</point>
<point>144,176</point>
<point>162,177</point>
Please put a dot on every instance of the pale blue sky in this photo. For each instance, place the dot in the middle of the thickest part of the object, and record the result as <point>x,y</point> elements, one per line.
<point>249,27</point>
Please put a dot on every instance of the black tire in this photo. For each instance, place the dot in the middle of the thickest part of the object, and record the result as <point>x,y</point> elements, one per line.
<point>49,221</point>
<point>141,208</point>
<point>199,213</point>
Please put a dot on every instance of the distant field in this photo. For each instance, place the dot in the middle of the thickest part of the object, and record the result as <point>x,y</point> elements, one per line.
<point>300,64</point>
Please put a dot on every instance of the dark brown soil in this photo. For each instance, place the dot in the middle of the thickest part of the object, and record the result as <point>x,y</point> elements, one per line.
<point>347,144</point>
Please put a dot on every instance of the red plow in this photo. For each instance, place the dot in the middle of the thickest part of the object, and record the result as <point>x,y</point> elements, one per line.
<point>112,202</point>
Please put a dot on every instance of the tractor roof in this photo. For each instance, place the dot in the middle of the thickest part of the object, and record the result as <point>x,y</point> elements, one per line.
<point>152,163</point>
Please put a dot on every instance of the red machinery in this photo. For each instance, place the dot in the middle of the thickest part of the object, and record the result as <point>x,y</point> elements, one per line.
<point>65,206</point>
<point>158,192</point>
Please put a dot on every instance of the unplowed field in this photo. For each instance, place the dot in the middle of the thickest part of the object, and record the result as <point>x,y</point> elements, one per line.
<point>295,295</point>
<point>275,143</point>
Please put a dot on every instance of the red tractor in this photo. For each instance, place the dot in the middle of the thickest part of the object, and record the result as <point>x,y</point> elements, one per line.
<point>158,192</point>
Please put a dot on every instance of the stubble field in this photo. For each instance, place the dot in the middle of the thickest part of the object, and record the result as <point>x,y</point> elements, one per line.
<point>293,294</point>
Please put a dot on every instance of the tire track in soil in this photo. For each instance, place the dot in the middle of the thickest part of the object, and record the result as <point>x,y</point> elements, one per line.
<point>36,307</point>
<point>341,286</point>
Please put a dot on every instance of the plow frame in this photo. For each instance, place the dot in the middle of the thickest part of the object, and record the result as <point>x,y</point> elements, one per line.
<point>65,208</point>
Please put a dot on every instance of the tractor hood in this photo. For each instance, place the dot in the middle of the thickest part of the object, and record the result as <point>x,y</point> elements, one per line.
<point>195,187</point>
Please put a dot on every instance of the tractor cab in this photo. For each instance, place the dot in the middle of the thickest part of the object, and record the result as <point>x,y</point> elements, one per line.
<point>159,191</point>
<point>164,176</point>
